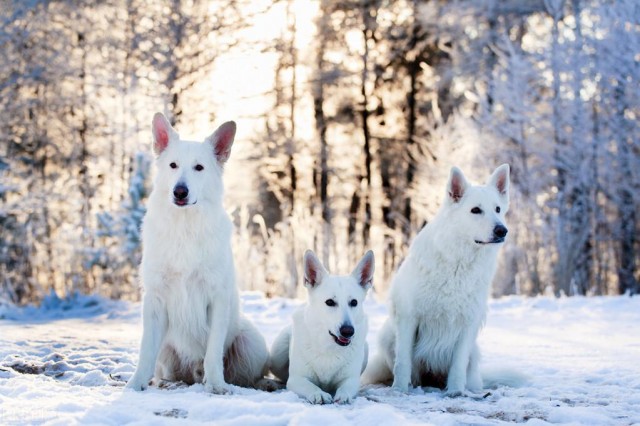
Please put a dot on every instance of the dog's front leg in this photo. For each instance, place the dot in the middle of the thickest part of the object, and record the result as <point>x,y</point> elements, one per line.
<point>214,357</point>
<point>457,377</point>
<point>154,328</point>
<point>474,378</point>
<point>405,331</point>
<point>347,390</point>
<point>308,390</point>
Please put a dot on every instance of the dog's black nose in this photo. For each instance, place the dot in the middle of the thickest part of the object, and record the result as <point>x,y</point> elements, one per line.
<point>347,330</point>
<point>180,192</point>
<point>500,231</point>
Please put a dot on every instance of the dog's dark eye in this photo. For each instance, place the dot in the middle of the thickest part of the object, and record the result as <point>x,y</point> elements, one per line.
<point>498,209</point>
<point>353,303</point>
<point>476,210</point>
<point>199,168</point>
<point>330,302</point>
<point>173,165</point>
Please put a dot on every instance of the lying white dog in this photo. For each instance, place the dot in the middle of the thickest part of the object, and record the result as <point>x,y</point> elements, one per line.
<point>322,355</point>
<point>439,294</point>
<point>192,324</point>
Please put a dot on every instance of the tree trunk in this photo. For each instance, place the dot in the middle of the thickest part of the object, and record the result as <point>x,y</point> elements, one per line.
<point>86,239</point>
<point>626,205</point>
<point>414,70</point>
<point>174,68</point>
<point>293,61</point>
<point>366,133</point>
<point>564,265</point>
<point>321,175</point>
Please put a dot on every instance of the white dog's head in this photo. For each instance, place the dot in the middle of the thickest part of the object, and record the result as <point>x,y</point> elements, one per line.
<point>476,213</point>
<point>335,302</point>
<point>190,173</point>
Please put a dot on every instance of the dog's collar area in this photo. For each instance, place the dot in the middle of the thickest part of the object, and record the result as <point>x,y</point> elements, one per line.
<point>342,341</point>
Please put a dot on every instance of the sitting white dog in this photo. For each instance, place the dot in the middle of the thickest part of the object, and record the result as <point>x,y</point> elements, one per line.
<point>322,355</point>
<point>193,330</point>
<point>438,297</point>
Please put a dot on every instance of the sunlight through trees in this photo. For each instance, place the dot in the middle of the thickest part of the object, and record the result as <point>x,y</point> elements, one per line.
<point>350,115</point>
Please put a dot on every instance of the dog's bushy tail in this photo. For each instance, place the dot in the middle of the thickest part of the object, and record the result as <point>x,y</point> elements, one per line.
<point>494,377</point>
<point>279,356</point>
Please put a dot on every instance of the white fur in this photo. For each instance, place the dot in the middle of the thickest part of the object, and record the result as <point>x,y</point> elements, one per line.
<point>306,356</point>
<point>439,294</point>
<point>191,317</point>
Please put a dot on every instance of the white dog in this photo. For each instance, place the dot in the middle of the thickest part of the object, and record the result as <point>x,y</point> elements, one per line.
<point>192,327</point>
<point>439,294</point>
<point>322,355</point>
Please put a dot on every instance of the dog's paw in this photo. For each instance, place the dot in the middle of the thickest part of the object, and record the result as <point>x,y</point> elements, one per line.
<point>400,387</point>
<point>456,385</point>
<point>454,393</point>
<point>136,384</point>
<point>217,388</point>
<point>320,397</point>
<point>343,397</point>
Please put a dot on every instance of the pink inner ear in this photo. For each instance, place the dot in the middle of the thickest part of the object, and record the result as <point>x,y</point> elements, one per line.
<point>160,134</point>
<point>456,189</point>
<point>162,140</point>
<point>311,275</point>
<point>224,140</point>
<point>365,274</point>
<point>501,183</point>
<point>312,270</point>
<point>223,150</point>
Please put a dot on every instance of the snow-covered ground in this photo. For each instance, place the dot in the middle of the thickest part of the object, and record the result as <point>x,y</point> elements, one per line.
<point>67,362</point>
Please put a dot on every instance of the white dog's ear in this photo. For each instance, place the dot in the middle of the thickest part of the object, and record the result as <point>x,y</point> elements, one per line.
<point>500,180</point>
<point>314,272</point>
<point>457,185</point>
<point>364,271</point>
<point>222,140</point>
<point>162,133</point>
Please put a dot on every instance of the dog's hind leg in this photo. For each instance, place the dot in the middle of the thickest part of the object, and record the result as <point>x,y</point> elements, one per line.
<point>171,368</point>
<point>279,357</point>
<point>168,364</point>
<point>245,362</point>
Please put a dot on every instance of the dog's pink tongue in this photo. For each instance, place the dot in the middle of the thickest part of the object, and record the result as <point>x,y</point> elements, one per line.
<point>343,339</point>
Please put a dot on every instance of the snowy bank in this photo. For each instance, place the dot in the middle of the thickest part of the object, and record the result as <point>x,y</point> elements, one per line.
<point>66,362</point>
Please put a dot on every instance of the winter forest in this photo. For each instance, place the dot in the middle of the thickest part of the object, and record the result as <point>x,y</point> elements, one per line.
<point>350,115</point>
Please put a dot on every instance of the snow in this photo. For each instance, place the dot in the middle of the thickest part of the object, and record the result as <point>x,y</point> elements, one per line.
<point>66,362</point>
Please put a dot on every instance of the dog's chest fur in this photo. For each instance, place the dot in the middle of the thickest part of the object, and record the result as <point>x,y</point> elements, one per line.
<point>187,265</point>
<point>187,300</point>
<point>454,295</point>
<point>446,289</point>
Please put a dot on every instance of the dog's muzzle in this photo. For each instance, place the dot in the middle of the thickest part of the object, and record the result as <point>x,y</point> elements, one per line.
<point>181,195</point>
<point>346,333</point>
<point>499,234</point>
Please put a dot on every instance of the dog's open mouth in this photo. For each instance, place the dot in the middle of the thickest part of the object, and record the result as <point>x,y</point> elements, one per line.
<point>342,341</point>
<point>183,203</point>
<point>494,241</point>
